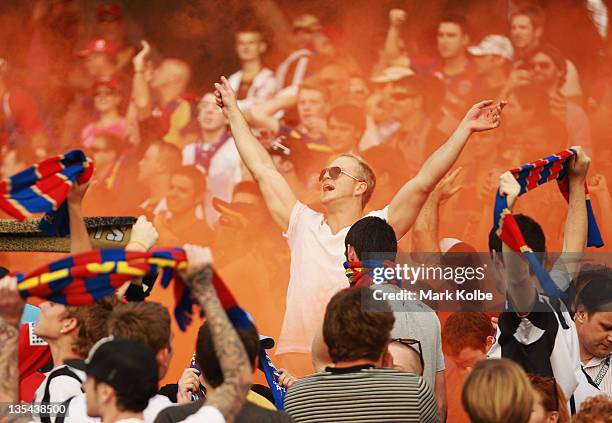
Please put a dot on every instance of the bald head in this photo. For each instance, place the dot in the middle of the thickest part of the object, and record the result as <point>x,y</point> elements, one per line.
<point>405,358</point>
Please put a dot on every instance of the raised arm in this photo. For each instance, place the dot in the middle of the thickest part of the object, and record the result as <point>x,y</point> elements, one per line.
<point>11,308</point>
<point>407,203</point>
<point>229,397</point>
<point>262,114</point>
<point>141,95</point>
<point>520,288</point>
<point>425,232</point>
<point>79,238</point>
<point>276,192</point>
<point>598,189</point>
<point>576,224</point>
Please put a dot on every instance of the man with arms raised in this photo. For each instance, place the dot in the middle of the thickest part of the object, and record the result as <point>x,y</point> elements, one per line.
<point>316,240</point>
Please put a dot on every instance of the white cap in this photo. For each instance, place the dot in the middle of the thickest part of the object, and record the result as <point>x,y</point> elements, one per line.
<point>496,45</point>
<point>392,74</point>
<point>448,243</point>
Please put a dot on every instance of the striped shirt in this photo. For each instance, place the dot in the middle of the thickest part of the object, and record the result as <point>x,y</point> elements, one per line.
<point>361,394</point>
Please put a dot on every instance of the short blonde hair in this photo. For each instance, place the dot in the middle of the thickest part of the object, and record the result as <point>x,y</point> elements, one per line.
<point>497,391</point>
<point>366,174</point>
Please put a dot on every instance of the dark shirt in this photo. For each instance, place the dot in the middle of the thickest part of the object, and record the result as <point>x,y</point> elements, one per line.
<point>248,413</point>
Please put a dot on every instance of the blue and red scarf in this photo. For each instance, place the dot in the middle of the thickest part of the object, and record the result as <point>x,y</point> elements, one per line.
<point>360,273</point>
<point>84,278</point>
<point>530,176</point>
<point>43,188</point>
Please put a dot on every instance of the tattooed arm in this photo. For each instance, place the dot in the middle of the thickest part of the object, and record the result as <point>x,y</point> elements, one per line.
<point>11,308</point>
<point>229,397</point>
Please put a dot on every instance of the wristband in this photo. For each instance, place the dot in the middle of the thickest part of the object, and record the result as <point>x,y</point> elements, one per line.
<point>133,241</point>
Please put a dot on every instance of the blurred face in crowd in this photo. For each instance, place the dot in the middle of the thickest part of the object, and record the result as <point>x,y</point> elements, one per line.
<point>111,27</point>
<point>402,100</point>
<point>210,116</point>
<point>523,33</point>
<point>323,45</point>
<point>98,65</point>
<point>358,91</point>
<point>544,71</point>
<point>170,71</point>
<point>148,166</point>
<point>249,46</point>
<point>311,104</point>
<point>595,332</point>
<point>468,357</point>
<point>335,78</point>
<point>451,40</point>
<point>488,63</point>
<point>182,196</point>
<point>103,156</point>
<point>303,37</point>
<point>343,187</point>
<point>52,321</point>
<point>106,99</point>
<point>91,396</point>
<point>539,413</point>
<point>341,136</point>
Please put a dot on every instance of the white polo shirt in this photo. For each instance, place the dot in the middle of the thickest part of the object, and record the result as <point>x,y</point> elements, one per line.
<point>316,274</point>
<point>599,370</point>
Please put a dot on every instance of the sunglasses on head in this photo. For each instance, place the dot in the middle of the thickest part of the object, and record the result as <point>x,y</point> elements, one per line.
<point>414,344</point>
<point>334,172</point>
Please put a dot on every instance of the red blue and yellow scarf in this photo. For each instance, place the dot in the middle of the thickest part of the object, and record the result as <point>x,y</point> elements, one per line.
<point>43,188</point>
<point>530,176</point>
<point>359,273</point>
<point>83,278</point>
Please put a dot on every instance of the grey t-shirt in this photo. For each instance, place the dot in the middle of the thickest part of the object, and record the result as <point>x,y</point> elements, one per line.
<point>416,320</point>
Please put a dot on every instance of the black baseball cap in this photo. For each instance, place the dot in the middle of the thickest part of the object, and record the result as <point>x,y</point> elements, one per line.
<point>127,366</point>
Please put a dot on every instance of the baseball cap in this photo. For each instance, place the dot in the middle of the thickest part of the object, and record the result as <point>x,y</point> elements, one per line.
<point>392,74</point>
<point>109,12</point>
<point>100,45</point>
<point>127,366</point>
<point>496,45</point>
<point>266,342</point>
<point>307,21</point>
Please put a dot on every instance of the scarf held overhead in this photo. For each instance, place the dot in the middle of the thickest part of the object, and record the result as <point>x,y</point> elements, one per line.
<point>43,188</point>
<point>530,176</point>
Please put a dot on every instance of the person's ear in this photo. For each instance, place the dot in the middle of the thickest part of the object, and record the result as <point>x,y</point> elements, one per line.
<point>163,358</point>
<point>361,188</point>
<point>538,32</point>
<point>466,40</point>
<point>106,393</point>
<point>489,343</point>
<point>580,316</point>
<point>351,254</point>
<point>553,417</point>
<point>263,47</point>
<point>69,324</point>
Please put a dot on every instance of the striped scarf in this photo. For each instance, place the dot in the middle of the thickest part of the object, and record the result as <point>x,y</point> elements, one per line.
<point>43,188</point>
<point>84,278</point>
<point>359,273</point>
<point>530,176</point>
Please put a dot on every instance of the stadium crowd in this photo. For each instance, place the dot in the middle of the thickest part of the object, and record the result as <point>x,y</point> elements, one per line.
<point>329,145</point>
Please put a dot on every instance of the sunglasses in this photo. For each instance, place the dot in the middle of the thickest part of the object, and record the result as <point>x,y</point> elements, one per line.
<point>334,172</point>
<point>412,343</point>
<point>403,96</point>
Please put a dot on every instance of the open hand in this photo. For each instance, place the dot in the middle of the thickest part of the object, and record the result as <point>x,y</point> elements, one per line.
<point>141,57</point>
<point>225,96</point>
<point>484,116</point>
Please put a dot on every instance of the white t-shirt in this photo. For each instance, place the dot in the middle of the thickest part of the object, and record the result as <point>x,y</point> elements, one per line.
<point>316,274</point>
<point>206,414</point>
<point>223,174</point>
<point>61,387</point>
<point>261,89</point>
<point>77,409</point>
